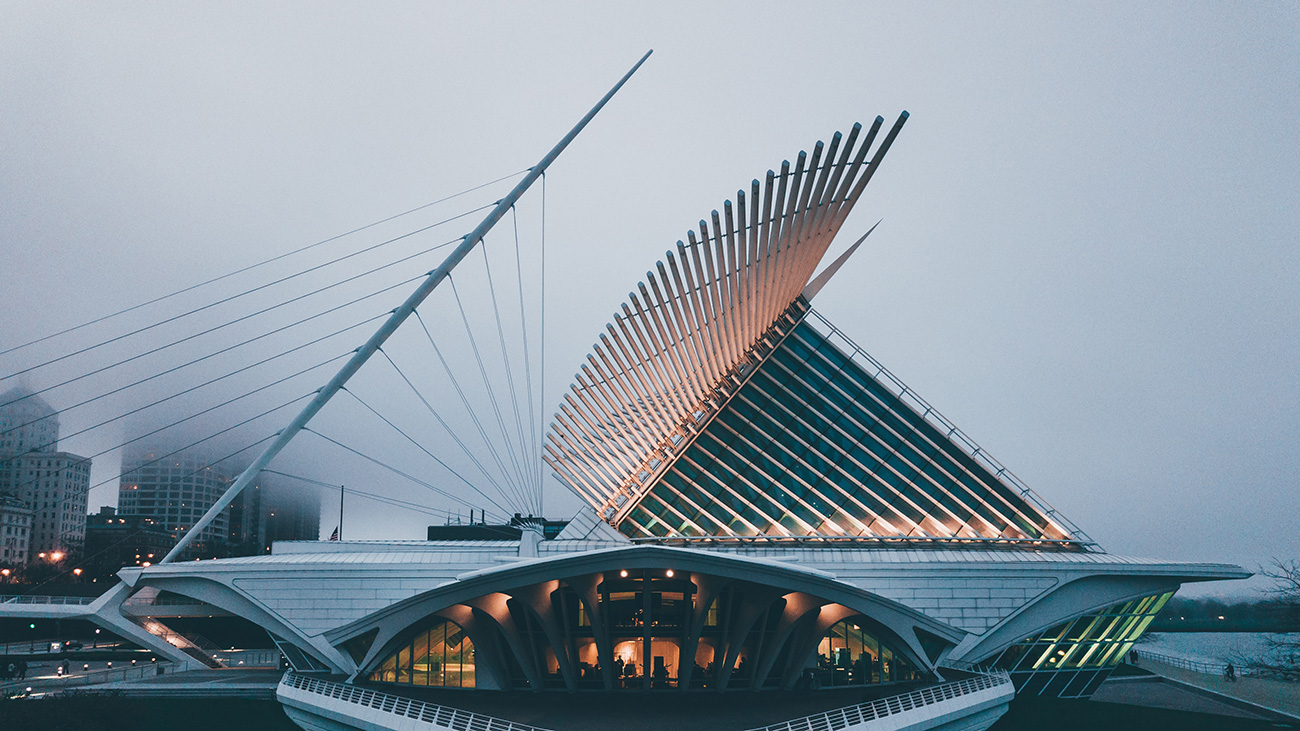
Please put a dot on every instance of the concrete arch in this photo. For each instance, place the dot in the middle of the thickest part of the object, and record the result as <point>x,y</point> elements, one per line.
<point>762,585</point>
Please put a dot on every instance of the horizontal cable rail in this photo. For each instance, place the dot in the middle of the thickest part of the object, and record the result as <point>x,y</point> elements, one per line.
<point>1196,666</point>
<point>94,677</point>
<point>840,718</point>
<point>433,713</point>
<point>36,599</point>
<point>812,541</point>
<point>248,658</point>
<point>941,423</point>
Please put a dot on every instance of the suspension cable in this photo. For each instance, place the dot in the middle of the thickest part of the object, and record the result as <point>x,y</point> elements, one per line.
<point>440,512</point>
<point>514,458</point>
<point>465,401</point>
<point>541,384</point>
<point>197,414</point>
<point>255,266</point>
<point>210,437</point>
<point>528,368</point>
<point>526,484</point>
<point>223,350</point>
<point>452,433</point>
<point>389,467</point>
<point>242,318</point>
<point>431,455</point>
<point>256,289</point>
<point>188,390</point>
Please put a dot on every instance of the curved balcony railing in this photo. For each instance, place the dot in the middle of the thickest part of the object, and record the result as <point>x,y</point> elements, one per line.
<point>850,716</point>
<point>455,718</point>
<point>444,716</point>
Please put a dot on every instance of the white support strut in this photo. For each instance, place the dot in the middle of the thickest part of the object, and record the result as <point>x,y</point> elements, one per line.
<point>394,321</point>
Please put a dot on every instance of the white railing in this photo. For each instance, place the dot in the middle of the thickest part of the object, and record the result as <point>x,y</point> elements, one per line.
<point>406,707</point>
<point>32,599</point>
<point>853,715</point>
<point>94,677</point>
<point>248,658</point>
<point>1196,666</point>
<point>43,647</point>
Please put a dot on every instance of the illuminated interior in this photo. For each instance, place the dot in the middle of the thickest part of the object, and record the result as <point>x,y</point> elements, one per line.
<point>649,629</point>
<point>1071,659</point>
<point>851,655</point>
<point>440,656</point>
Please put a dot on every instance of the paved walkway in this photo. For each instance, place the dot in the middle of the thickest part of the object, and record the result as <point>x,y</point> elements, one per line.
<point>256,683</point>
<point>1277,695</point>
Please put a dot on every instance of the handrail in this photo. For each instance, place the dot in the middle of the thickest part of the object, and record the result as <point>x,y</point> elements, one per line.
<point>823,540</point>
<point>1196,666</point>
<point>852,715</point>
<point>94,677</point>
<point>407,707</point>
<point>39,599</point>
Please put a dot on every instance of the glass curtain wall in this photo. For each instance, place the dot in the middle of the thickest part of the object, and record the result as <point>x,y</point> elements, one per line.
<point>441,656</point>
<point>814,445</point>
<point>849,654</point>
<point>1071,659</point>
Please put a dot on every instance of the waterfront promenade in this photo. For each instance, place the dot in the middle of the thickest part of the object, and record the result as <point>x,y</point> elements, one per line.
<point>1276,695</point>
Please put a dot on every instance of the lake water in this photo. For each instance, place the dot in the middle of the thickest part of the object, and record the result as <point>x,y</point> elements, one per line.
<point>1241,648</point>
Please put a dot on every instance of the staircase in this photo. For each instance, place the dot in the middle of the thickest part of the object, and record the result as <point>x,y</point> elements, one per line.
<point>192,645</point>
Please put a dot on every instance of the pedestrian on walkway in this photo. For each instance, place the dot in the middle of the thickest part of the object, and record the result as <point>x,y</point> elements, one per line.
<point>1230,673</point>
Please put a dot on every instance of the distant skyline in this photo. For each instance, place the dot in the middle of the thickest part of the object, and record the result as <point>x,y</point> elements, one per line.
<point>1087,258</point>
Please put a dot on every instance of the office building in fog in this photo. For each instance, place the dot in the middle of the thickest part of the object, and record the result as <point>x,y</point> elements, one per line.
<point>15,531</point>
<point>175,490</point>
<point>272,509</point>
<point>52,484</point>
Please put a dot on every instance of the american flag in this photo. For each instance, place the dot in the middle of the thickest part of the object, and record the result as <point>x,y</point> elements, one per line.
<point>335,535</point>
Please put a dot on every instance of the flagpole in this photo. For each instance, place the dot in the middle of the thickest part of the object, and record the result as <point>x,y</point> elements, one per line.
<point>341,489</point>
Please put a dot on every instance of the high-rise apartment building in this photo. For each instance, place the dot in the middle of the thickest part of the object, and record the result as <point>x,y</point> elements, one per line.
<point>175,491</point>
<point>53,484</point>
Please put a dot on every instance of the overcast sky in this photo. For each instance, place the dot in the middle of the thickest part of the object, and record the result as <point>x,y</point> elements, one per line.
<point>1089,257</point>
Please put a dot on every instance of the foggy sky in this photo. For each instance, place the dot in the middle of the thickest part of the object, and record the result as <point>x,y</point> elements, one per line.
<point>1088,259</point>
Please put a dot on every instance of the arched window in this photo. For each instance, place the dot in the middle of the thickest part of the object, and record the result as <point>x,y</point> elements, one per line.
<point>440,656</point>
<point>851,655</point>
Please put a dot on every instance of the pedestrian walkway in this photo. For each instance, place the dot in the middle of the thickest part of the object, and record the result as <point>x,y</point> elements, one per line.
<point>1278,695</point>
<point>251,683</point>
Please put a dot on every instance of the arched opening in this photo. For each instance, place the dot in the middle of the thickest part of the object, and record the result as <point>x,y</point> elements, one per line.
<point>647,629</point>
<point>850,654</point>
<point>440,656</point>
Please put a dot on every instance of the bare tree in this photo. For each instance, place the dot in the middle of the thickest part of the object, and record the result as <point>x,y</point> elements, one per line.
<point>1285,648</point>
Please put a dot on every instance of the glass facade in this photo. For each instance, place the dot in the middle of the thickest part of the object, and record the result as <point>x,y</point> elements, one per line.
<point>1071,659</point>
<point>653,629</point>
<point>851,655</point>
<point>441,656</point>
<point>813,444</point>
